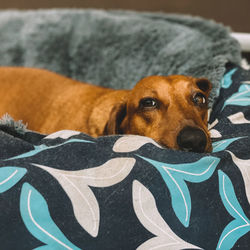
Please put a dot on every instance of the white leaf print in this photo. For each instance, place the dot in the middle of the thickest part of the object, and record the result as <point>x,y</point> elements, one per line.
<point>245,82</point>
<point>238,118</point>
<point>108,174</point>
<point>244,166</point>
<point>76,185</point>
<point>215,133</point>
<point>215,122</point>
<point>244,64</point>
<point>149,216</point>
<point>64,134</point>
<point>131,143</point>
<point>209,111</point>
<point>85,205</point>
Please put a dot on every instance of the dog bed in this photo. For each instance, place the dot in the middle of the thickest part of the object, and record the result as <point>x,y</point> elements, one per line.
<point>68,190</point>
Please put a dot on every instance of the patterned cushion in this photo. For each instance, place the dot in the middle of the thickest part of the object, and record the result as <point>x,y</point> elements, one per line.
<point>70,191</point>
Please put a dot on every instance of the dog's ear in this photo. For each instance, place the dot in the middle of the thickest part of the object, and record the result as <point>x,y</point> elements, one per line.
<point>116,117</point>
<point>204,84</point>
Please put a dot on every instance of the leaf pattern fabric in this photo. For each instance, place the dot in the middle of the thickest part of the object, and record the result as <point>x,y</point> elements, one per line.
<point>68,190</point>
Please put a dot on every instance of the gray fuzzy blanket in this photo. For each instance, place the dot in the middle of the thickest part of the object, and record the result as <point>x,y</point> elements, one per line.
<point>116,48</point>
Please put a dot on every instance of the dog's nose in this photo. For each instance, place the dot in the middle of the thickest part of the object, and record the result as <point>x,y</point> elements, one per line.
<point>192,139</point>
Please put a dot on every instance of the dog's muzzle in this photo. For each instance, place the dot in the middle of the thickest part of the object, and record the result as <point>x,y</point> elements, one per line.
<point>192,139</point>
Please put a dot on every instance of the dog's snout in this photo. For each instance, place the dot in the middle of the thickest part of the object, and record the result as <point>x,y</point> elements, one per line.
<point>192,139</point>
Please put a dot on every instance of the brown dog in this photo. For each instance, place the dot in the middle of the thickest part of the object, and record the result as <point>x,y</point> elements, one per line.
<point>170,109</point>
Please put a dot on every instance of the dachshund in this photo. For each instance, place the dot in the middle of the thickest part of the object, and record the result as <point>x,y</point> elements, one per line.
<point>172,110</point>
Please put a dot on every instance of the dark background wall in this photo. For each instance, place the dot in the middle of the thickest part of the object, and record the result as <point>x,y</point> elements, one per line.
<point>234,13</point>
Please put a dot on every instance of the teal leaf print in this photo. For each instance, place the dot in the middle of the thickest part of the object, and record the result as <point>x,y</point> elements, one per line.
<point>227,79</point>
<point>9,176</point>
<point>223,144</point>
<point>175,175</point>
<point>241,224</point>
<point>43,147</point>
<point>36,216</point>
<point>240,98</point>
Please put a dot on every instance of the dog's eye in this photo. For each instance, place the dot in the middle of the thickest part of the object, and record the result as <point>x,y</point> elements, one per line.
<point>148,103</point>
<point>199,99</point>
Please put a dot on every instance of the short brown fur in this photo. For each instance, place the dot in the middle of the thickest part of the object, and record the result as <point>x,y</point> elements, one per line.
<point>49,102</point>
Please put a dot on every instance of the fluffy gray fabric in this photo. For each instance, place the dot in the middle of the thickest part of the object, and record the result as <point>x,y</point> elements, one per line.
<point>18,126</point>
<point>116,48</point>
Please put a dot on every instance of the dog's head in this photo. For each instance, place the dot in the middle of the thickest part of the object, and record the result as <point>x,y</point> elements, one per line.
<point>172,110</point>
